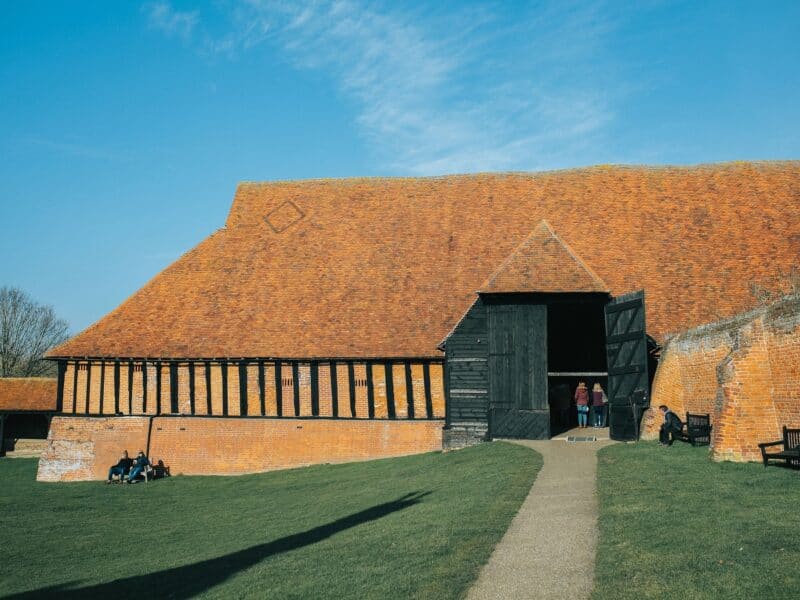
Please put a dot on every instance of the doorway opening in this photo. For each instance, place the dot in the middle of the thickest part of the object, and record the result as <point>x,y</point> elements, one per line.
<point>576,351</point>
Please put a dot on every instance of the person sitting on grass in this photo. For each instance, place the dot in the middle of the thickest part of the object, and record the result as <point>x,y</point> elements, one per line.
<point>121,468</point>
<point>139,465</point>
<point>672,425</point>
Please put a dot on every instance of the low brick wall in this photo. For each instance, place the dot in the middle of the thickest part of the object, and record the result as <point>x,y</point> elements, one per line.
<point>744,372</point>
<point>83,448</point>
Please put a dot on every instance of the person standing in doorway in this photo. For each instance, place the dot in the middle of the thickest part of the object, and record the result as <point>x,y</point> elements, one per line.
<point>582,403</point>
<point>598,406</point>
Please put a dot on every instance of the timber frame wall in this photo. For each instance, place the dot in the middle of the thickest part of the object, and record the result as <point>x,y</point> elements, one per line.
<point>332,388</point>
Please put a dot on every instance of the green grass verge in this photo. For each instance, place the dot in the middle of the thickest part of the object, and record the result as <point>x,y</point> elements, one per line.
<point>674,524</point>
<point>414,527</point>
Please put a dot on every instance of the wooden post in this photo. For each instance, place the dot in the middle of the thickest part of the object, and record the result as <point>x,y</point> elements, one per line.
<point>2,435</point>
<point>88,384</point>
<point>314,367</point>
<point>242,388</point>
<point>262,392</point>
<point>409,390</point>
<point>62,369</point>
<point>334,390</point>
<point>208,387</point>
<point>102,386</point>
<point>278,389</point>
<point>389,377</point>
<point>192,384</point>
<point>426,373</point>
<point>158,387</point>
<point>370,392</point>
<point>144,386</point>
<point>130,387</point>
<point>75,387</point>
<point>296,387</point>
<point>224,367</point>
<point>116,387</point>
<point>173,387</point>
<point>351,383</point>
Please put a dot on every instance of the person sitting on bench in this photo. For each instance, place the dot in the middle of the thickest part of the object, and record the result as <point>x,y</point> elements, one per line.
<point>160,470</point>
<point>139,465</point>
<point>121,468</point>
<point>672,425</point>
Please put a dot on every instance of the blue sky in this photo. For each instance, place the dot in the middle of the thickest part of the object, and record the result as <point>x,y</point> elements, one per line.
<point>125,126</point>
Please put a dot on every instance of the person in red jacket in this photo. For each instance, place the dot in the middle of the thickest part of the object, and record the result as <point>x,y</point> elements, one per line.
<point>582,403</point>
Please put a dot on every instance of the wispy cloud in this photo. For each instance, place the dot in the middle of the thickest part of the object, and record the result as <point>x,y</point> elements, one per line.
<point>467,90</point>
<point>69,148</point>
<point>162,16</point>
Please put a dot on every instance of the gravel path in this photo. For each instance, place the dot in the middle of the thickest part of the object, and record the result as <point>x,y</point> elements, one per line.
<point>549,548</point>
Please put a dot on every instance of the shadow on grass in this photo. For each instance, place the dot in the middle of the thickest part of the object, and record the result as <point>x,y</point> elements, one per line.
<point>190,580</point>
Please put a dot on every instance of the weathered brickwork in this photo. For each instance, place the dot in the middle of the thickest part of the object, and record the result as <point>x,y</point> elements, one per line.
<point>80,449</point>
<point>83,448</point>
<point>744,372</point>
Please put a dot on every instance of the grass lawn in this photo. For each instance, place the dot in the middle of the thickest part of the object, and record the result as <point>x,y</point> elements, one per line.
<point>414,527</point>
<point>674,524</point>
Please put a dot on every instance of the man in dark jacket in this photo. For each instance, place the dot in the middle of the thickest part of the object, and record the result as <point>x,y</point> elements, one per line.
<point>672,425</point>
<point>139,465</point>
<point>121,468</point>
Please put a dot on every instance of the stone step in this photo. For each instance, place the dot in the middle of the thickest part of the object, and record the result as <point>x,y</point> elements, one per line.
<point>27,449</point>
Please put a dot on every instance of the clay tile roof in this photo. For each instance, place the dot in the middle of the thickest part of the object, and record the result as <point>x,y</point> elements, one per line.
<point>385,267</point>
<point>543,263</point>
<point>27,393</point>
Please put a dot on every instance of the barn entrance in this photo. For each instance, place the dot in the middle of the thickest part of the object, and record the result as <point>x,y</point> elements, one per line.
<point>540,346</point>
<point>576,352</point>
<point>513,360</point>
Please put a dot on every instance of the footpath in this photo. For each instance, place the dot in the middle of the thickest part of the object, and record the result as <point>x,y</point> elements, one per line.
<point>549,548</point>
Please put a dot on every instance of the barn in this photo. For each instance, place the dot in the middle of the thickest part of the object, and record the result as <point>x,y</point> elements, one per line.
<point>333,320</point>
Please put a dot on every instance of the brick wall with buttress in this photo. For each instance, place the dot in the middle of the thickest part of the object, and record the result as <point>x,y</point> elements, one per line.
<point>744,372</point>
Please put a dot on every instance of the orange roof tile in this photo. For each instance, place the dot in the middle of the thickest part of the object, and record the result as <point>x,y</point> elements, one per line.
<point>386,267</point>
<point>27,393</point>
<point>543,263</point>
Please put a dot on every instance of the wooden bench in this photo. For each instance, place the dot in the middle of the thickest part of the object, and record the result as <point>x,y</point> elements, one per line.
<point>791,448</point>
<point>696,430</point>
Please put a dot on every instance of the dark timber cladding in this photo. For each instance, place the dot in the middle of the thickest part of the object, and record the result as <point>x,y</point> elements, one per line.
<point>626,348</point>
<point>518,369</point>
<point>466,372</point>
<point>496,370</point>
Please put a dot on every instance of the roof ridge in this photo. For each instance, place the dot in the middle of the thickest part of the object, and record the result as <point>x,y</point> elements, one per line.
<point>599,167</point>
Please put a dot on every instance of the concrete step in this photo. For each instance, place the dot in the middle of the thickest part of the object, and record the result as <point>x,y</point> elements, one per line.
<point>27,449</point>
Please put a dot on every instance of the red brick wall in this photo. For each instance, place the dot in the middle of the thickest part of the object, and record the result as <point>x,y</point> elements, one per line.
<point>744,371</point>
<point>83,448</point>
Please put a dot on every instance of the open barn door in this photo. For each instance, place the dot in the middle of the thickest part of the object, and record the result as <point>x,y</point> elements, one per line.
<point>626,349</point>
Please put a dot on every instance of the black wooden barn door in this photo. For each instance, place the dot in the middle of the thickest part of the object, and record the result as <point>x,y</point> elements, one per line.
<point>517,364</point>
<point>626,349</point>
